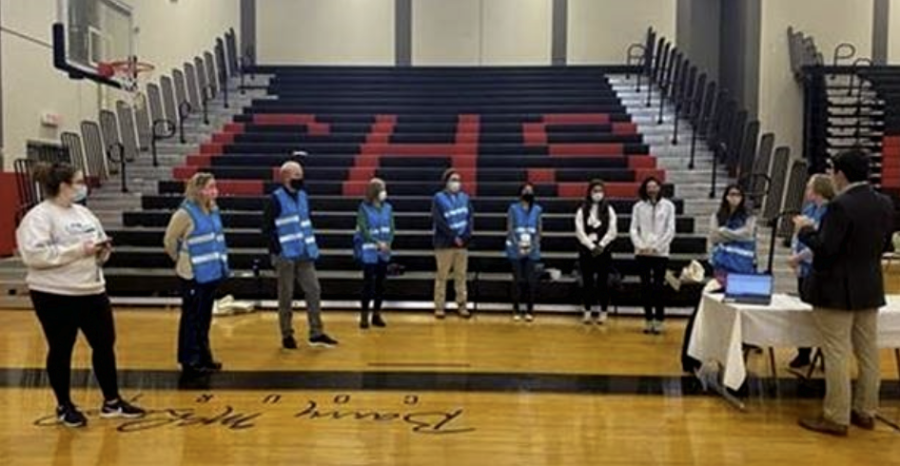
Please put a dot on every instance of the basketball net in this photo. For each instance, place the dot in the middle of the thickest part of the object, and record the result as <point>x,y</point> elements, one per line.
<point>131,75</point>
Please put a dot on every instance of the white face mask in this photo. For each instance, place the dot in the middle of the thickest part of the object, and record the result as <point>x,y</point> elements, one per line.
<point>597,197</point>
<point>382,196</point>
<point>454,186</point>
<point>81,193</point>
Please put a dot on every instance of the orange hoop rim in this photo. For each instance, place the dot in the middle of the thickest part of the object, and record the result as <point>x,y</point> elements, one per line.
<point>124,68</point>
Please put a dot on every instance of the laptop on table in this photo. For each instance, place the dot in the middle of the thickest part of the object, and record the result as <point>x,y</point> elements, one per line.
<point>749,289</point>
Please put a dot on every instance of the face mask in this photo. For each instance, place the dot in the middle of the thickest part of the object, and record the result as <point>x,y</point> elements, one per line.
<point>81,193</point>
<point>211,193</point>
<point>382,196</point>
<point>454,186</point>
<point>297,184</point>
<point>528,197</point>
<point>596,197</point>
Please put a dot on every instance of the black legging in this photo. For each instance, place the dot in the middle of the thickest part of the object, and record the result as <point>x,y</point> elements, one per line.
<point>197,300</point>
<point>524,284</point>
<point>373,287</point>
<point>61,317</point>
<point>595,278</point>
<point>653,276</point>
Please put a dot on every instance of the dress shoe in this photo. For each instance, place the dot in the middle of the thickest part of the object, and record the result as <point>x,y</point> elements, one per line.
<point>863,421</point>
<point>823,426</point>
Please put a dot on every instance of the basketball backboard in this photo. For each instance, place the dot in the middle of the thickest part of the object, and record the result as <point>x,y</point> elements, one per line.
<point>91,33</point>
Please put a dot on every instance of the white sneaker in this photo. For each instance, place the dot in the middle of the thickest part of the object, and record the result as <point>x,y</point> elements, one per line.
<point>659,327</point>
<point>649,326</point>
<point>602,319</point>
<point>587,318</point>
<point>516,316</point>
<point>529,317</point>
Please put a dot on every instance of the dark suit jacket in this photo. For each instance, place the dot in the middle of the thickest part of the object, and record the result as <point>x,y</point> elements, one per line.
<point>847,251</point>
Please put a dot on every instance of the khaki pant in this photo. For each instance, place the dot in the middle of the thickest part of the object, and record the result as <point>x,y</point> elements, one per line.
<point>456,260</point>
<point>843,331</point>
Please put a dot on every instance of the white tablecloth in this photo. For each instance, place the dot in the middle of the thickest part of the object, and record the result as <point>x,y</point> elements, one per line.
<point>720,329</point>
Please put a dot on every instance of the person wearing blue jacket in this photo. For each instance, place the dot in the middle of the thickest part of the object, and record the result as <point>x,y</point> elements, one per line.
<point>523,249</point>
<point>453,218</point>
<point>372,247</point>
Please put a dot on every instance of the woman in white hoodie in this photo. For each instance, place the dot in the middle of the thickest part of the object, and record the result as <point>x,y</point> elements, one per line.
<point>64,247</point>
<point>652,231</point>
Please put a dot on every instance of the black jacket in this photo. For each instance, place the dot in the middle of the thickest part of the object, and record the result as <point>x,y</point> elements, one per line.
<point>847,251</point>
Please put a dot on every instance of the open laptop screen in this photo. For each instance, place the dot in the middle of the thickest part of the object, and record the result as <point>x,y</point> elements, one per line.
<point>748,286</point>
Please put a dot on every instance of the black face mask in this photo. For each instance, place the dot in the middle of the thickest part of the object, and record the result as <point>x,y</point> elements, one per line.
<point>528,197</point>
<point>297,184</point>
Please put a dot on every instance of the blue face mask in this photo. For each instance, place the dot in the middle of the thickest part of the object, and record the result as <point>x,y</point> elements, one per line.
<point>81,193</point>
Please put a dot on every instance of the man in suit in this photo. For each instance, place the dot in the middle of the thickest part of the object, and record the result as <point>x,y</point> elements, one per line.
<point>846,289</point>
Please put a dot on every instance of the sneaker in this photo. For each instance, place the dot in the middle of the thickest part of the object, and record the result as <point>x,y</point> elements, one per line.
<point>323,341</point>
<point>213,366</point>
<point>464,312</point>
<point>289,343</point>
<point>649,327</point>
<point>658,327</point>
<point>586,319</point>
<point>377,321</point>
<point>517,317</point>
<point>70,416</point>
<point>440,314</point>
<point>602,318</point>
<point>529,317</point>
<point>120,408</point>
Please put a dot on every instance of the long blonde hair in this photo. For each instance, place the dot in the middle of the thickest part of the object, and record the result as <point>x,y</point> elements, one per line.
<point>193,186</point>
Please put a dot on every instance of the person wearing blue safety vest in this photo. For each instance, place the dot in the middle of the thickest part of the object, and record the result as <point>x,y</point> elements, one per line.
<point>372,247</point>
<point>453,217</point>
<point>819,192</point>
<point>523,249</point>
<point>292,245</point>
<point>195,240</point>
<point>732,236</point>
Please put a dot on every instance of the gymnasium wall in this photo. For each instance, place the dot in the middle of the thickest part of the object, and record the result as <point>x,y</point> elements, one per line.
<point>453,32</point>
<point>600,31</point>
<point>830,22</point>
<point>325,32</point>
<point>894,34</point>
<point>170,32</point>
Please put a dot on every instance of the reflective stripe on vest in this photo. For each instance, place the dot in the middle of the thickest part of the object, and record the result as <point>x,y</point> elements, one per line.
<point>206,245</point>
<point>379,222</point>
<point>524,223</point>
<point>294,228</point>
<point>455,209</point>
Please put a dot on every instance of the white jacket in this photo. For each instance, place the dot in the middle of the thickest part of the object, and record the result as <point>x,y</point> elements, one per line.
<point>653,226</point>
<point>51,242</point>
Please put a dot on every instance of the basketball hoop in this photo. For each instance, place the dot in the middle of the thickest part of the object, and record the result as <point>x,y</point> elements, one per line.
<point>128,73</point>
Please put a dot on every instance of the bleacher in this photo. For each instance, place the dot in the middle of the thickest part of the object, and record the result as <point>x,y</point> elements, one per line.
<point>555,127</point>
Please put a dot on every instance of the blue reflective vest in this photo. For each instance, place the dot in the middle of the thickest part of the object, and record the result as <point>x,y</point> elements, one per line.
<point>735,256</point>
<point>524,222</point>
<point>379,223</point>
<point>294,228</point>
<point>816,213</point>
<point>455,209</point>
<point>206,244</point>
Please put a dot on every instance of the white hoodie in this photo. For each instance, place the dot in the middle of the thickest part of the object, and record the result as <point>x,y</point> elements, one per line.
<point>653,226</point>
<point>51,242</point>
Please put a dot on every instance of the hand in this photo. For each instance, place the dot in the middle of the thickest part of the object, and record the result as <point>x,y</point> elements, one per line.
<point>794,261</point>
<point>802,221</point>
<point>598,250</point>
<point>91,248</point>
<point>382,246</point>
<point>459,242</point>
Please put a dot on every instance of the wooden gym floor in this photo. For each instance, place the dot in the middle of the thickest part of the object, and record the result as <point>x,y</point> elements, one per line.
<point>482,392</point>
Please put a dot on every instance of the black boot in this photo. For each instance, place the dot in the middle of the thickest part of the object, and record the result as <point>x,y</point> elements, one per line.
<point>364,319</point>
<point>377,321</point>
